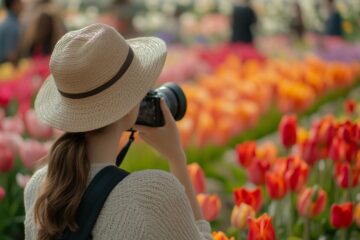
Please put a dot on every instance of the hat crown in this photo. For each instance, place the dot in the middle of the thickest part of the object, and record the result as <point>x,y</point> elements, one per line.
<point>86,59</point>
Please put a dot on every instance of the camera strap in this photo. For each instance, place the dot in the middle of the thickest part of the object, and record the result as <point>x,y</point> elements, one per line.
<point>120,157</point>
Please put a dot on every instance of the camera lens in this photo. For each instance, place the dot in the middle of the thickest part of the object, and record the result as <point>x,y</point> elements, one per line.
<point>175,99</point>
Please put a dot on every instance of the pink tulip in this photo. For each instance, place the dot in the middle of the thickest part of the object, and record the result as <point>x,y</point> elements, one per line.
<point>5,96</point>
<point>30,152</point>
<point>13,124</point>
<point>197,177</point>
<point>11,140</point>
<point>22,180</point>
<point>6,159</point>
<point>2,193</point>
<point>36,128</point>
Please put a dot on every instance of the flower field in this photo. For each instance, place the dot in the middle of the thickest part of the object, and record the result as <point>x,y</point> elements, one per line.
<point>301,182</point>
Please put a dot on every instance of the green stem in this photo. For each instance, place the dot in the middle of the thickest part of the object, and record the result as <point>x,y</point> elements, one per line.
<point>306,228</point>
<point>290,214</point>
<point>343,234</point>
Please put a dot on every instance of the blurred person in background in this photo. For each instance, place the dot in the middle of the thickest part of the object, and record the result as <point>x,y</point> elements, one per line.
<point>10,31</point>
<point>124,13</point>
<point>333,23</point>
<point>297,24</point>
<point>243,19</point>
<point>44,28</point>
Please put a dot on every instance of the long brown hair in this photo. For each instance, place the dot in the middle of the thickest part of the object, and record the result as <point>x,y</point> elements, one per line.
<point>64,185</point>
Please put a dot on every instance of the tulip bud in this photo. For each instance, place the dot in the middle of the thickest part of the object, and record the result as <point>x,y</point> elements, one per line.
<point>350,106</point>
<point>257,170</point>
<point>210,205</point>
<point>251,197</point>
<point>342,175</point>
<point>288,130</point>
<point>36,128</point>
<point>197,177</point>
<point>240,215</point>
<point>246,153</point>
<point>220,236</point>
<point>275,185</point>
<point>261,228</point>
<point>311,202</point>
<point>2,193</point>
<point>30,152</point>
<point>341,215</point>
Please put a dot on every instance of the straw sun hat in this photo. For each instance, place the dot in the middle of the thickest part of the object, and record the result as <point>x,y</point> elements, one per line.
<point>97,78</point>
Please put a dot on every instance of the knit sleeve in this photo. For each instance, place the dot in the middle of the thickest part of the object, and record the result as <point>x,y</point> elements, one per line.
<point>167,210</point>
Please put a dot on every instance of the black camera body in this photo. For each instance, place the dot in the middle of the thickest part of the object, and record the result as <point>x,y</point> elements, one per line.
<point>150,113</point>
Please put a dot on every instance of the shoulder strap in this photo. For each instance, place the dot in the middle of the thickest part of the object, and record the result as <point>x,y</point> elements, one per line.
<point>93,200</point>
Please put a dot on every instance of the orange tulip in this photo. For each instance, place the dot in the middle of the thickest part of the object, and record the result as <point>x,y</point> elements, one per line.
<point>357,214</point>
<point>288,130</point>
<point>261,228</point>
<point>240,215</point>
<point>342,175</point>
<point>221,236</point>
<point>324,131</point>
<point>197,177</point>
<point>246,153</point>
<point>341,215</point>
<point>210,205</point>
<point>251,197</point>
<point>275,185</point>
<point>311,202</point>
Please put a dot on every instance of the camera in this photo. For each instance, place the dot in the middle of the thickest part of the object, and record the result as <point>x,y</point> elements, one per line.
<point>150,113</point>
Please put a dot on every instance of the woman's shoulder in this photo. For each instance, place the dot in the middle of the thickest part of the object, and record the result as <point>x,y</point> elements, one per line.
<point>154,177</point>
<point>32,186</point>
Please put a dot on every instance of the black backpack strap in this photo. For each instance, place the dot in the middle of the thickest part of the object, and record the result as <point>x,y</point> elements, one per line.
<point>93,200</point>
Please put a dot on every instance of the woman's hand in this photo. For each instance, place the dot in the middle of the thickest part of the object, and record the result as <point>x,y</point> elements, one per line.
<point>164,139</point>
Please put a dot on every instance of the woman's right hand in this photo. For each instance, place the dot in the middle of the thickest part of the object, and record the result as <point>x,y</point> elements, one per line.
<point>164,139</point>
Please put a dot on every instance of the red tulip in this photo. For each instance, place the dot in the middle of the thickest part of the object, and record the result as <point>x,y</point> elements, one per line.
<point>311,202</point>
<point>324,131</point>
<point>5,96</point>
<point>296,173</point>
<point>257,170</point>
<point>357,214</point>
<point>13,124</point>
<point>350,106</point>
<point>6,159</point>
<point>251,197</point>
<point>342,175</point>
<point>210,205</point>
<point>240,215</point>
<point>275,185</point>
<point>341,151</point>
<point>309,151</point>
<point>36,128</point>
<point>261,228</point>
<point>246,153</point>
<point>341,215</point>
<point>2,193</point>
<point>288,130</point>
<point>197,177</point>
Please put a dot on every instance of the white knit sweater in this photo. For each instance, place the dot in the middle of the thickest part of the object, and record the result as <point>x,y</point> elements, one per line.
<point>148,204</point>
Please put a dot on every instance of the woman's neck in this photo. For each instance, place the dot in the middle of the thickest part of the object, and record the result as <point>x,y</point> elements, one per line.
<point>103,148</point>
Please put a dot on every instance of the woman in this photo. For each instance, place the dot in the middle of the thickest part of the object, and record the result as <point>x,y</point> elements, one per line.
<point>98,80</point>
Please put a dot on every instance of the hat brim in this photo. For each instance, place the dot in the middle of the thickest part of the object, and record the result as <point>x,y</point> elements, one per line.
<point>102,109</point>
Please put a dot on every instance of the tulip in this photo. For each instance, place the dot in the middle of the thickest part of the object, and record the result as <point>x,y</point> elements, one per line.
<point>357,214</point>
<point>13,124</point>
<point>22,180</point>
<point>261,228</point>
<point>11,141</point>
<point>210,205</point>
<point>324,131</point>
<point>5,96</point>
<point>257,170</point>
<point>220,236</point>
<point>341,151</point>
<point>309,151</point>
<point>36,128</point>
<point>2,193</point>
<point>240,215</point>
<point>341,215</point>
<point>275,185</point>
<point>6,159</point>
<point>30,152</point>
<point>197,177</point>
<point>350,106</point>
<point>311,202</point>
<point>246,153</point>
<point>288,130</point>
<point>251,197</point>
<point>342,175</point>
<point>296,173</point>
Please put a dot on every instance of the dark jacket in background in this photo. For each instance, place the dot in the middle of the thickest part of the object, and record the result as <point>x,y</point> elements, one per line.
<point>333,25</point>
<point>243,18</point>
